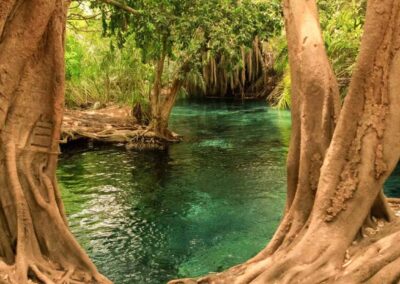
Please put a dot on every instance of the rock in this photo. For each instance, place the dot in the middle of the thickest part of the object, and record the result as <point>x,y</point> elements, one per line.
<point>96,105</point>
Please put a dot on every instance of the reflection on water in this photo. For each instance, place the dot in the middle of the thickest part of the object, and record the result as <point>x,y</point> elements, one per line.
<point>201,206</point>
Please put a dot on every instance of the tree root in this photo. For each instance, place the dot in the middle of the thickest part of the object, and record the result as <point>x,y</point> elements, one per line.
<point>67,275</point>
<point>41,276</point>
<point>36,197</point>
<point>48,273</point>
<point>112,125</point>
<point>373,257</point>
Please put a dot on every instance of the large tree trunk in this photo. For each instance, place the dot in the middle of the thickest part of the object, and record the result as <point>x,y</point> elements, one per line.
<point>344,233</point>
<point>35,242</point>
<point>315,110</point>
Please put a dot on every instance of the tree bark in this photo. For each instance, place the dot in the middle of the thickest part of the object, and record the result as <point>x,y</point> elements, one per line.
<point>166,105</point>
<point>315,110</point>
<point>35,244</point>
<point>344,232</point>
<point>162,101</point>
<point>156,91</point>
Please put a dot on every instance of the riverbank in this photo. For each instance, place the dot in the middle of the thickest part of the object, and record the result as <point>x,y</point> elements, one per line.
<point>111,125</point>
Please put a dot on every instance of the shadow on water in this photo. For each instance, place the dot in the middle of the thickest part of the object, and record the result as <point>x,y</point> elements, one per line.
<point>201,206</point>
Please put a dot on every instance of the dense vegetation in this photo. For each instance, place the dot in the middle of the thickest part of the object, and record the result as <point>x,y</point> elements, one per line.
<point>98,71</point>
<point>193,37</point>
<point>217,48</point>
<point>342,26</point>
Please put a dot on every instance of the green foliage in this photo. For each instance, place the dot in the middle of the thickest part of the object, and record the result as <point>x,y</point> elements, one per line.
<point>185,30</point>
<point>284,101</point>
<point>118,65</point>
<point>73,57</point>
<point>280,53</point>
<point>96,71</point>
<point>280,98</point>
<point>342,25</point>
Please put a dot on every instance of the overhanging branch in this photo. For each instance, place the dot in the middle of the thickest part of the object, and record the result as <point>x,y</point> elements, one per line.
<point>121,6</point>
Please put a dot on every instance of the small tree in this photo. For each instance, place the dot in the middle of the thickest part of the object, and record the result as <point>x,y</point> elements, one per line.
<point>337,226</point>
<point>179,38</point>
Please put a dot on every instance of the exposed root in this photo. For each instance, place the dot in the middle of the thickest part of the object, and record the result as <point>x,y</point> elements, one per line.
<point>372,256</point>
<point>66,277</point>
<point>112,125</point>
<point>41,276</point>
<point>31,249</point>
<point>48,273</point>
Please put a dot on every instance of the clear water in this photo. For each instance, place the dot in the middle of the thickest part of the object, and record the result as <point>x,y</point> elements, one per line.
<point>201,206</point>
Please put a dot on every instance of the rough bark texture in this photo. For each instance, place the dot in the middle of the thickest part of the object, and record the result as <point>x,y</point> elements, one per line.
<point>315,110</point>
<point>36,245</point>
<point>337,226</point>
<point>162,101</point>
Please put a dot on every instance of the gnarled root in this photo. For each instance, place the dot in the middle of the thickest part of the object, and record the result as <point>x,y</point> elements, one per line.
<point>42,233</point>
<point>47,273</point>
<point>113,125</point>
<point>373,257</point>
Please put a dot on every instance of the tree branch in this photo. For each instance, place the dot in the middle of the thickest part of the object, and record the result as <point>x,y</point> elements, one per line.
<point>121,6</point>
<point>80,17</point>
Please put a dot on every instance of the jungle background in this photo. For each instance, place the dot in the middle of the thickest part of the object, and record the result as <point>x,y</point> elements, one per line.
<point>231,49</point>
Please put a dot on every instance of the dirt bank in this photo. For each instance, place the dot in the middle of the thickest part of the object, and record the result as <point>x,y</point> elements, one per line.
<point>114,125</point>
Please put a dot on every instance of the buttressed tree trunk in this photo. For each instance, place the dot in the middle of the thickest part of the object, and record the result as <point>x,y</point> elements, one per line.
<point>337,227</point>
<point>36,245</point>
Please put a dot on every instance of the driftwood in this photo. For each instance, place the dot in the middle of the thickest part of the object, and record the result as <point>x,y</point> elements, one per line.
<point>114,125</point>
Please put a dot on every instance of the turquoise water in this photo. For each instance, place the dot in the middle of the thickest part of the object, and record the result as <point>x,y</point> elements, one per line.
<point>201,206</point>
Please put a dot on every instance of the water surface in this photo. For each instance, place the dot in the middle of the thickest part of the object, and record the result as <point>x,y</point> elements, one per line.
<point>201,206</point>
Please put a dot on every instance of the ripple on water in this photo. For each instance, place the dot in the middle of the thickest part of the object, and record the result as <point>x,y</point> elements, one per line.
<point>202,206</point>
